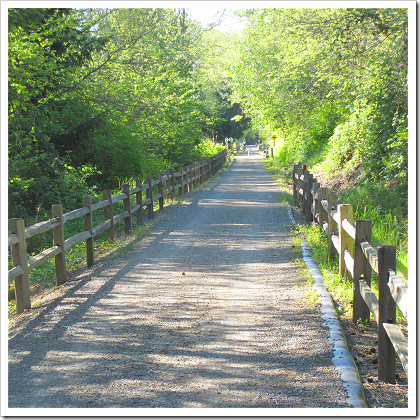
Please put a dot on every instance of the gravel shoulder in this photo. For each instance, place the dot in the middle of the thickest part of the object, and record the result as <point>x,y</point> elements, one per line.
<point>205,312</point>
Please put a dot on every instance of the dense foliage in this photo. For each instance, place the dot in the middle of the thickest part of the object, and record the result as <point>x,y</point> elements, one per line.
<point>100,96</point>
<point>332,84</point>
<point>224,118</point>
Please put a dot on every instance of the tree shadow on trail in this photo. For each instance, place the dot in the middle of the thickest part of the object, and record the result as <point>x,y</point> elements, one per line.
<point>193,316</point>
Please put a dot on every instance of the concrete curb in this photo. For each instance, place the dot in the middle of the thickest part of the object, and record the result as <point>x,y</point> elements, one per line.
<point>342,359</point>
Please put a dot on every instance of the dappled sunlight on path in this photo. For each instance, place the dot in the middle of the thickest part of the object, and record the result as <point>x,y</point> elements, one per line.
<point>205,312</point>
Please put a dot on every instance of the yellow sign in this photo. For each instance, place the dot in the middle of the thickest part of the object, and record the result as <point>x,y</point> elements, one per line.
<point>263,138</point>
<point>273,137</point>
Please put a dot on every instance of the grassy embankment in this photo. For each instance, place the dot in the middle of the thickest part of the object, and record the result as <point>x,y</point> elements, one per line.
<point>389,227</point>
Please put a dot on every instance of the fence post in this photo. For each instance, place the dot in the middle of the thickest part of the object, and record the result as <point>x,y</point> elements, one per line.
<point>190,178</point>
<point>187,169</point>
<point>139,201</point>
<point>299,186</point>
<point>332,224</point>
<point>200,172</point>
<point>167,185</point>
<point>160,190</point>
<point>127,207</point>
<point>109,215</point>
<point>181,180</point>
<point>185,179</point>
<point>58,239</point>
<point>315,188</point>
<point>323,214</point>
<point>18,254</point>
<point>345,211</point>
<point>193,175</point>
<point>149,195</point>
<point>295,166</point>
<point>197,174</point>
<point>87,202</point>
<point>308,185</point>
<point>305,176</point>
<point>387,313</point>
<point>171,183</point>
<point>362,268</point>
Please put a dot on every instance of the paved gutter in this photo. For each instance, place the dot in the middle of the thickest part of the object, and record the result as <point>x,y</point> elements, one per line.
<point>342,358</point>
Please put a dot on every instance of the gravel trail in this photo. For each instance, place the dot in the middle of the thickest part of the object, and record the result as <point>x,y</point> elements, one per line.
<point>204,312</point>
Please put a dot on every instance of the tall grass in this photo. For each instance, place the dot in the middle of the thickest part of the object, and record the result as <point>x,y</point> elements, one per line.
<point>339,287</point>
<point>387,229</point>
<point>387,209</point>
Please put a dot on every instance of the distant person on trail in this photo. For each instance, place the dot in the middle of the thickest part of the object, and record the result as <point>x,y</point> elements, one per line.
<point>244,145</point>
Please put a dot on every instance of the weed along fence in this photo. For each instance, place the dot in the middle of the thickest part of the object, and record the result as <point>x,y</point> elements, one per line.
<point>186,179</point>
<point>357,259</point>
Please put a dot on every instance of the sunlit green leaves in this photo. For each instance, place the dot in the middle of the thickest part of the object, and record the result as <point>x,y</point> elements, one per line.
<point>333,82</point>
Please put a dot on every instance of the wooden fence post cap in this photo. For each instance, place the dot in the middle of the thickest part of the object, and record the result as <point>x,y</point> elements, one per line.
<point>12,224</point>
<point>344,206</point>
<point>15,218</point>
<point>382,249</point>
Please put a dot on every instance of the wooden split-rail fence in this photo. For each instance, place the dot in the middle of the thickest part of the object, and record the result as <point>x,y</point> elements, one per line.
<point>268,152</point>
<point>186,179</point>
<point>357,259</point>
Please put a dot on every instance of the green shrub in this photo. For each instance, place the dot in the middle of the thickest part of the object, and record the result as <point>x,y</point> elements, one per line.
<point>206,149</point>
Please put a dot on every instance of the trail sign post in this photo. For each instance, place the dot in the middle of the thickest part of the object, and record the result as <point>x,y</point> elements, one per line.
<point>274,138</point>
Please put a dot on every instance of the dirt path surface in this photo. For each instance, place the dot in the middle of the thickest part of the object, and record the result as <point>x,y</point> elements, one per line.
<point>205,312</point>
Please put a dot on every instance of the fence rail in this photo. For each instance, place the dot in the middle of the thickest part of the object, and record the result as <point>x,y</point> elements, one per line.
<point>187,179</point>
<point>357,259</point>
